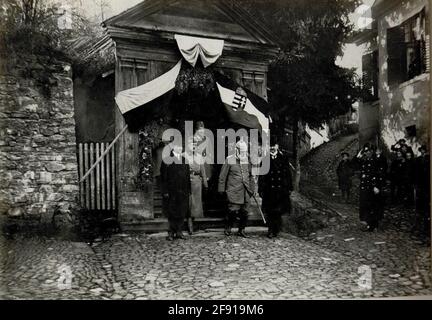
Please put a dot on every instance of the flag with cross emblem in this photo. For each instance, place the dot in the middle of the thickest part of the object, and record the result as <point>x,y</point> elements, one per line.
<point>240,99</point>
<point>240,110</point>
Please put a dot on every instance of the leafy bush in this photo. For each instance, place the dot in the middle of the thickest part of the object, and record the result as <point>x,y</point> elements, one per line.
<point>28,26</point>
<point>31,27</point>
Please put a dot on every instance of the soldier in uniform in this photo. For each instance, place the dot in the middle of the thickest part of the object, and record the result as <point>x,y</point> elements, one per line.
<point>370,188</point>
<point>237,182</point>
<point>275,189</point>
<point>176,189</point>
<point>422,185</point>
<point>344,172</point>
<point>409,177</point>
<point>397,172</point>
<point>402,146</point>
<point>381,175</point>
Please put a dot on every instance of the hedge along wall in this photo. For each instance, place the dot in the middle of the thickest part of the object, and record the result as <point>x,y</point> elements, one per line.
<point>38,162</point>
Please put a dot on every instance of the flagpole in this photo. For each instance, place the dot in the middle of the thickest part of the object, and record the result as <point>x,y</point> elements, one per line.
<point>104,154</point>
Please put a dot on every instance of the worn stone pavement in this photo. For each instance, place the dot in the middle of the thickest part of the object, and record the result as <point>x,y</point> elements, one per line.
<point>337,262</point>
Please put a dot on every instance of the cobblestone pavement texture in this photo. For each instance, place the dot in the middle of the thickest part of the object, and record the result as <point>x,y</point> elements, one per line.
<point>209,265</point>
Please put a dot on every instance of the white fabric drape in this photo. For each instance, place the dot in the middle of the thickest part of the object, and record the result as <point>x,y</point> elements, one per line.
<point>192,48</point>
<point>130,99</point>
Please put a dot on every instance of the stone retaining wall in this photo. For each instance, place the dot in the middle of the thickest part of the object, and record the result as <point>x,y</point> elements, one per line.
<point>38,163</point>
<point>305,217</point>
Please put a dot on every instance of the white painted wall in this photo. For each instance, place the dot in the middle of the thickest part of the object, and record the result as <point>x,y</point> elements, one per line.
<point>408,103</point>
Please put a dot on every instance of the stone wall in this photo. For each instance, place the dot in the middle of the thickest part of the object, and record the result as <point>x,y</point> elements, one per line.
<point>306,217</point>
<point>38,163</point>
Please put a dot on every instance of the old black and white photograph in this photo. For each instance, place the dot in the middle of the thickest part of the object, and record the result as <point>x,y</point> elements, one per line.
<point>216,150</point>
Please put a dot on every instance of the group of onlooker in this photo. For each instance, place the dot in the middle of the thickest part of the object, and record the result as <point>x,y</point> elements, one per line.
<point>408,175</point>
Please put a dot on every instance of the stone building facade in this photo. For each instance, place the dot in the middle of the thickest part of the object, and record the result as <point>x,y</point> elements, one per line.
<point>38,163</point>
<point>396,72</point>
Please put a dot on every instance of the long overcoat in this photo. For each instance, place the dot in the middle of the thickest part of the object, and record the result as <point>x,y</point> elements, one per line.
<point>370,203</point>
<point>276,186</point>
<point>236,181</point>
<point>175,182</point>
<point>345,173</point>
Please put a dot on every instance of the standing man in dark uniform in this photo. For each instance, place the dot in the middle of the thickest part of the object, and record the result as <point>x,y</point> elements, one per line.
<point>370,188</point>
<point>397,172</point>
<point>381,170</point>
<point>176,189</point>
<point>409,178</point>
<point>344,172</point>
<point>275,189</point>
<point>237,182</point>
<point>422,185</point>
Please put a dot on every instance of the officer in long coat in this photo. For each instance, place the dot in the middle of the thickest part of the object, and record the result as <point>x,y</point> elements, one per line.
<point>381,175</point>
<point>422,185</point>
<point>237,182</point>
<point>397,173</point>
<point>345,173</point>
<point>176,189</point>
<point>370,188</point>
<point>275,189</point>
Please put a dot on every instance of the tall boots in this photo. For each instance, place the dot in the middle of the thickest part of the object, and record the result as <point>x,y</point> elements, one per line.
<point>243,218</point>
<point>229,221</point>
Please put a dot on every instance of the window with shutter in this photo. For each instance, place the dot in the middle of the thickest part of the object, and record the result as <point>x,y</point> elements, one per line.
<point>425,54</point>
<point>396,49</point>
<point>375,63</point>
<point>370,76</point>
<point>408,49</point>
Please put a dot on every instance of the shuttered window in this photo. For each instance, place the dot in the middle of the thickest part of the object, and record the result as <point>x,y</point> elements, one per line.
<point>370,76</point>
<point>408,49</point>
<point>396,49</point>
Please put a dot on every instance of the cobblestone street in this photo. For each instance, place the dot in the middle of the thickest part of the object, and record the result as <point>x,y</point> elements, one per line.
<point>337,262</point>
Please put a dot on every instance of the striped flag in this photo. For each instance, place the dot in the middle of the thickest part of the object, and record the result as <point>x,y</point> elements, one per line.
<point>240,109</point>
<point>130,99</point>
<point>150,100</point>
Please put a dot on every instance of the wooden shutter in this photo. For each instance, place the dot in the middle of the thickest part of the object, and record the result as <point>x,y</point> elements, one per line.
<point>425,54</point>
<point>370,76</point>
<point>367,76</point>
<point>397,59</point>
<point>375,74</point>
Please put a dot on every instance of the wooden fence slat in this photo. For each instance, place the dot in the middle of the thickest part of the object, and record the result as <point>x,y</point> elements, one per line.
<point>97,182</point>
<point>99,190</point>
<point>113,178</point>
<point>103,175</point>
<point>86,182</point>
<point>109,182</point>
<point>92,179</point>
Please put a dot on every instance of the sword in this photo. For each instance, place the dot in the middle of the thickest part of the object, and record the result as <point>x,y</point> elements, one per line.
<point>259,208</point>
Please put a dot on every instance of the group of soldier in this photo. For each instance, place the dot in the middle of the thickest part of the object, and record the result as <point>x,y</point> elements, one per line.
<point>408,176</point>
<point>236,183</point>
<point>183,180</point>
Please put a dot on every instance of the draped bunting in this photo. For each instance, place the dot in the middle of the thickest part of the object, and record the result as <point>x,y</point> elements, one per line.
<point>130,99</point>
<point>240,109</point>
<point>192,48</point>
